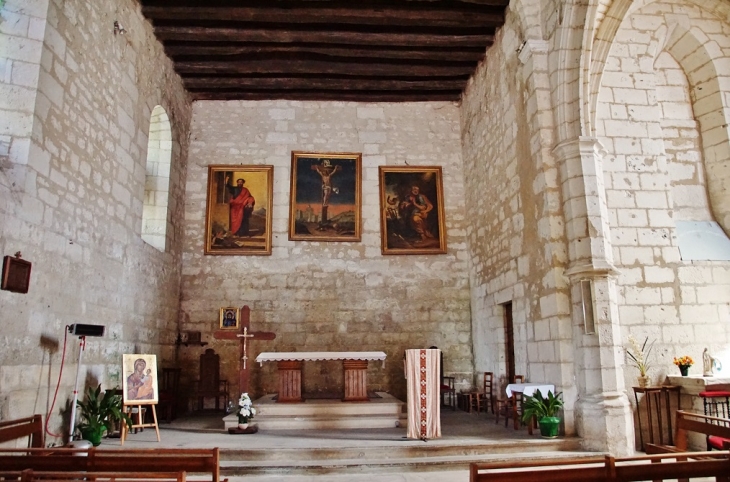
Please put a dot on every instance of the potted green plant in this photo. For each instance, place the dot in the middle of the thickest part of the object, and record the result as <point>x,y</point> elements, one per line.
<point>98,412</point>
<point>545,411</point>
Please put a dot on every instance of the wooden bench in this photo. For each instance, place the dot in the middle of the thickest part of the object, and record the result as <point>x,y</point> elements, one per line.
<point>31,427</point>
<point>693,422</point>
<point>608,468</point>
<point>30,475</point>
<point>191,461</point>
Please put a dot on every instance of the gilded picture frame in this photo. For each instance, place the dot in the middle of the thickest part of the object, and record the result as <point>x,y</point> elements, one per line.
<point>412,210</point>
<point>325,202</point>
<point>229,318</point>
<point>239,210</point>
<point>140,379</point>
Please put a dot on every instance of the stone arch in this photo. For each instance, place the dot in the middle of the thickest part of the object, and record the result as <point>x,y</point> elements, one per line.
<point>710,111</point>
<point>606,22</point>
<point>569,41</point>
<point>157,180</point>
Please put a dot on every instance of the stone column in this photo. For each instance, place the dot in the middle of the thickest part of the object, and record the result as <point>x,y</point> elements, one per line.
<point>603,412</point>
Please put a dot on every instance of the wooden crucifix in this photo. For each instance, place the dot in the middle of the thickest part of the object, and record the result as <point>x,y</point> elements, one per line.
<point>243,336</point>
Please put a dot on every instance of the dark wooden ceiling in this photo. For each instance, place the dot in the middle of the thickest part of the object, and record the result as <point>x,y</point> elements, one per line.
<point>361,50</point>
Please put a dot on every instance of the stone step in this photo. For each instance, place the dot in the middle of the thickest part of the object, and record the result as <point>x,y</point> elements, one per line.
<point>383,411</point>
<point>329,422</point>
<point>331,408</point>
<point>408,450</point>
<point>364,464</point>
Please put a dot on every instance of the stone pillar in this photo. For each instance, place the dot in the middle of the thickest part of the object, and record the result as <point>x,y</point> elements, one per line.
<point>557,363</point>
<point>603,412</point>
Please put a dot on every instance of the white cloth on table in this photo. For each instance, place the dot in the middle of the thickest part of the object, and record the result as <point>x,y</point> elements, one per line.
<point>529,389</point>
<point>423,374</point>
<point>320,355</point>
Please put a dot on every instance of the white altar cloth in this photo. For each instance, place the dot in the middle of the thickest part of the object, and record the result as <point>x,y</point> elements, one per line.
<point>529,389</point>
<point>320,355</point>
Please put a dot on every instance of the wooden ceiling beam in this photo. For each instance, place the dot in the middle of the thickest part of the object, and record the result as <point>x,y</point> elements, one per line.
<point>346,95</point>
<point>354,14</point>
<point>299,83</point>
<point>203,34</point>
<point>187,49</point>
<point>290,67</point>
<point>414,5</point>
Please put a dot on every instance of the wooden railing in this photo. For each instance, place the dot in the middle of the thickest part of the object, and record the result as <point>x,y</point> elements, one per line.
<point>692,422</point>
<point>30,475</point>
<point>31,427</point>
<point>191,461</point>
<point>594,469</point>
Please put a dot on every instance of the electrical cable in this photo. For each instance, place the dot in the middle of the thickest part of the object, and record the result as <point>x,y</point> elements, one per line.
<point>58,384</point>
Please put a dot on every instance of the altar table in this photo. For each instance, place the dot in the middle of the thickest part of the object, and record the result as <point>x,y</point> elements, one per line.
<point>289,364</point>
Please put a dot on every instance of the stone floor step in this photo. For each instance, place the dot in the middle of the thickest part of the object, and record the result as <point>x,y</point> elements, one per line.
<point>331,422</point>
<point>426,450</point>
<point>408,464</point>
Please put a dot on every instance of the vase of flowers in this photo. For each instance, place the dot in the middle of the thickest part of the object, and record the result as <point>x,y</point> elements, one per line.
<point>640,358</point>
<point>684,362</point>
<point>245,411</point>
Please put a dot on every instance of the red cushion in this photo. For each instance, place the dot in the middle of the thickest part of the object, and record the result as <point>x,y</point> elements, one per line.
<point>718,443</point>
<point>711,394</point>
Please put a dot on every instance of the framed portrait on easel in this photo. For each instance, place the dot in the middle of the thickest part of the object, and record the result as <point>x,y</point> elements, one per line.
<point>140,379</point>
<point>325,197</point>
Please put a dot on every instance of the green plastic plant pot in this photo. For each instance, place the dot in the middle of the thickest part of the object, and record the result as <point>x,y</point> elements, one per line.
<point>92,435</point>
<point>549,427</point>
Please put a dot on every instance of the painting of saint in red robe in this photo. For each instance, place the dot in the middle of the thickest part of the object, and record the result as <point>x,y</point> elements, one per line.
<point>238,214</point>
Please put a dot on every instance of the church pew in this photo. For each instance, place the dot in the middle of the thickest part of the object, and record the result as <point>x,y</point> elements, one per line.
<point>31,427</point>
<point>625,469</point>
<point>195,461</point>
<point>30,475</point>
<point>693,422</point>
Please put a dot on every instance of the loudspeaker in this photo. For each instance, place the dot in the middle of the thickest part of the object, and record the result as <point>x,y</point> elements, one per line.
<point>86,330</point>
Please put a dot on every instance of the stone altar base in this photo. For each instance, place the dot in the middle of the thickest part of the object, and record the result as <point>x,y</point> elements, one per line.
<point>384,412</point>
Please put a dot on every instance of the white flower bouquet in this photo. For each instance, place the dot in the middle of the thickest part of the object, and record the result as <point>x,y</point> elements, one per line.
<point>245,409</point>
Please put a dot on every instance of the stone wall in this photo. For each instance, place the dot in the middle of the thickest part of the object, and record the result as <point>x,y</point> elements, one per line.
<point>72,185</point>
<point>515,234</point>
<point>649,119</point>
<point>329,295</point>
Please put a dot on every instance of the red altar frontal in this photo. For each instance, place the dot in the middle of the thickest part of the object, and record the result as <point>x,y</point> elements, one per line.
<point>355,365</point>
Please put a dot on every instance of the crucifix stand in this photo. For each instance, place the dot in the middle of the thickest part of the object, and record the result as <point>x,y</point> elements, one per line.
<point>243,336</point>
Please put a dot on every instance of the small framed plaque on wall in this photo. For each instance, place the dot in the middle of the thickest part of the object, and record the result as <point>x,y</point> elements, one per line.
<point>16,274</point>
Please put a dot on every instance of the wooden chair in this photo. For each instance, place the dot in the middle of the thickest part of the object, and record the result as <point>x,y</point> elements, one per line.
<point>210,384</point>
<point>448,392</point>
<point>511,407</point>
<point>717,404</point>
<point>486,396</point>
<point>169,385</point>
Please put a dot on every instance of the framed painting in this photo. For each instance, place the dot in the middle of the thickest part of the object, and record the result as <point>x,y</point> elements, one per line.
<point>325,197</point>
<point>140,375</point>
<point>412,210</point>
<point>238,210</point>
<point>229,318</point>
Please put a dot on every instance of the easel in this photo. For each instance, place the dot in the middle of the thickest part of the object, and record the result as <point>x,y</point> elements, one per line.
<point>129,409</point>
